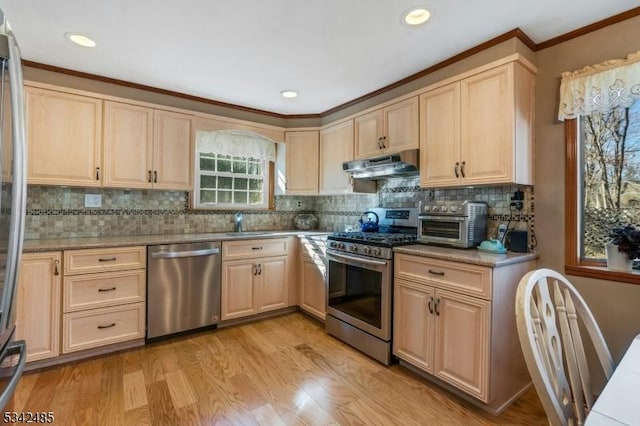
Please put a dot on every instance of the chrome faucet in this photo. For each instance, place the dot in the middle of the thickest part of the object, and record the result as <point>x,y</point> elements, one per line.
<point>239,220</point>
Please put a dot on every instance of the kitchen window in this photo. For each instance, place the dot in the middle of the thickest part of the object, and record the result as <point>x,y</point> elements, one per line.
<point>233,170</point>
<point>601,108</point>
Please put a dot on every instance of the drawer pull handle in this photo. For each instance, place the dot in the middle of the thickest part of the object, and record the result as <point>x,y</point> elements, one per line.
<point>431,271</point>
<point>106,289</point>
<point>101,327</point>
<point>107,259</point>
<point>256,248</point>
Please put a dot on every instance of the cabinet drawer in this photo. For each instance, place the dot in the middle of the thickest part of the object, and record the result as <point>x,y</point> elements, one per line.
<point>248,249</point>
<point>99,327</point>
<point>104,259</point>
<point>469,279</point>
<point>105,289</point>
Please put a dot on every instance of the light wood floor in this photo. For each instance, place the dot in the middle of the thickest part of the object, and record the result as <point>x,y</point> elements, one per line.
<point>284,370</point>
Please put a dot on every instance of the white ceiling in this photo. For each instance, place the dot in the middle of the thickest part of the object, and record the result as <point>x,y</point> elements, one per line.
<point>246,52</point>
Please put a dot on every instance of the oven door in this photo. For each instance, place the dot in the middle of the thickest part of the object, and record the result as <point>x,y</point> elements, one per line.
<point>359,292</point>
<point>449,230</point>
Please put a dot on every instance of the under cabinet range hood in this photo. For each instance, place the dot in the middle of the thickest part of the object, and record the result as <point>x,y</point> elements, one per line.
<point>401,164</point>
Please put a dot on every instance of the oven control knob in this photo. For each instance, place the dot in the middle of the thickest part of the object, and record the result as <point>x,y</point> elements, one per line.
<point>333,244</point>
<point>340,245</point>
<point>443,208</point>
<point>366,250</point>
<point>377,251</point>
<point>353,248</point>
<point>454,209</point>
<point>426,208</point>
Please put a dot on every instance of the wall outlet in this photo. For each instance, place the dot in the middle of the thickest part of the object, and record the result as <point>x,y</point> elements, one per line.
<point>93,200</point>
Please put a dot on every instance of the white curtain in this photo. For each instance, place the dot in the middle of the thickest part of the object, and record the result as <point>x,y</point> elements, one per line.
<point>237,143</point>
<point>600,88</point>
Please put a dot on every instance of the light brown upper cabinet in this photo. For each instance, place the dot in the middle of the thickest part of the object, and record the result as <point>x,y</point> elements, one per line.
<point>387,130</point>
<point>172,150</point>
<point>336,147</point>
<point>479,130</point>
<point>302,148</point>
<point>146,148</point>
<point>64,134</point>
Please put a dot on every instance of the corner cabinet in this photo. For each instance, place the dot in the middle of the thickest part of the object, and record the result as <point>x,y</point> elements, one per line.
<point>254,277</point>
<point>456,322</point>
<point>313,272</point>
<point>387,130</point>
<point>64,136</point>
<point>479,130</point>
<point>38,304</point>
<point>302,149</point>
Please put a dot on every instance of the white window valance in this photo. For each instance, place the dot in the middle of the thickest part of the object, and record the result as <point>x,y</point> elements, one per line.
<point>237,143</point>
<point>600,88</point>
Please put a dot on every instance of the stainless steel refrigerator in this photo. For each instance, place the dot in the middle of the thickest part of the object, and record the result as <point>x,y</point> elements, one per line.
<point>12,206</point>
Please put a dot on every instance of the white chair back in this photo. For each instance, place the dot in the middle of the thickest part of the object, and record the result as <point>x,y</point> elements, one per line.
<point>547,312</point>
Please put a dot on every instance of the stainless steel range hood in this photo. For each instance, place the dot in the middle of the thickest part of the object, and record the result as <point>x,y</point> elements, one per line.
<point>402,164</point>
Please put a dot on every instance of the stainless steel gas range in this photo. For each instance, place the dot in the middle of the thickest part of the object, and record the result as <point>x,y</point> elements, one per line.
<point>360,282</point>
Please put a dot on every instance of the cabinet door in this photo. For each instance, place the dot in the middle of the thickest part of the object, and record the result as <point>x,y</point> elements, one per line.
<point>413,323</point>
<point>401,126</point>
<point>274,285</point>
<point>462,342</point>
<point>128,139</point>
<point>440,136</point>
<point>302,162</point>
<point>38,304</point>
<point>64,134</point>
<point>313,291</point>
<point>369,129</point>
<point>336,147</point>
<point>172,150</point>
<point>487,126</point>
<point>239,295</point>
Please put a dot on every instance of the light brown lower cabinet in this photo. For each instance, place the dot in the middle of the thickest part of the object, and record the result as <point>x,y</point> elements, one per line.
<point>456,322</point>
<point>255,277</point>
<point>38,304</point>
<point>103,297</point>
<point>313,291</point>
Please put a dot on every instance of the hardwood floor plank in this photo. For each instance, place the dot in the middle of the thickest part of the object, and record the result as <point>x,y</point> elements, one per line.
<point>160,405</point>
<point>266,415</point>
<point>180,389</point>
<point>283,370</point>
<point>134,390</point>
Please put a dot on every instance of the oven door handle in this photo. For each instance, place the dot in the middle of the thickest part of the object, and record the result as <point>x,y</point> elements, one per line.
<point>359,259</point>
<point>443,218</point>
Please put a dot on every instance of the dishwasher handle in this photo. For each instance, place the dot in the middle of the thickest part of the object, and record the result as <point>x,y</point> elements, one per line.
<point>190,253</point>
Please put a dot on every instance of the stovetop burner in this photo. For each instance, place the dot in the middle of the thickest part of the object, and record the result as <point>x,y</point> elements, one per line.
<point>382,238</point>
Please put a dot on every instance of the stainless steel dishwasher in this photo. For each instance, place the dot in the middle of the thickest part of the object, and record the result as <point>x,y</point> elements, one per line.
<point>183,287</point>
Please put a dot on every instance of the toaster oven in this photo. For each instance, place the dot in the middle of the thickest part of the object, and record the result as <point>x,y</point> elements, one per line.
<point>453,223</point>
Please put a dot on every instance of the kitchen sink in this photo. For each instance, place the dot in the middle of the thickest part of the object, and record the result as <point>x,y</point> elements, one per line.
<point>240,234</point>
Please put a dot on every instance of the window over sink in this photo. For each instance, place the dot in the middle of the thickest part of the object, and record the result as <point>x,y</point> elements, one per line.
<point>233,170</point>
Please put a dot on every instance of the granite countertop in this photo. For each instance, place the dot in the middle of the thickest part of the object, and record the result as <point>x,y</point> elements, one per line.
<point>472,256</point>
<point>143,240</point>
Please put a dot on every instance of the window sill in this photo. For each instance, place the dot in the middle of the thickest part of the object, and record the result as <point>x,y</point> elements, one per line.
<point>601,272</point>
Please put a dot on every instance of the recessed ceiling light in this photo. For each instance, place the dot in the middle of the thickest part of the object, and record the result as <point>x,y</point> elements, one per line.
<point>415,16</point>
<point>80,40</point>
<point>289,94</point>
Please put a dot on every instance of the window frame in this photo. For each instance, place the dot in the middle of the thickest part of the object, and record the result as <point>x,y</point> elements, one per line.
<point>574,265</point>
<point>268,190</point>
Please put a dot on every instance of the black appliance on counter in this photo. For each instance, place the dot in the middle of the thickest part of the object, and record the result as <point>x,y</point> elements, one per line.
<point>360,281</point>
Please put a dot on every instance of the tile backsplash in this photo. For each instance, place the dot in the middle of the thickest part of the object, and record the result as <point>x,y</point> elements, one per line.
<point>54,212</point>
